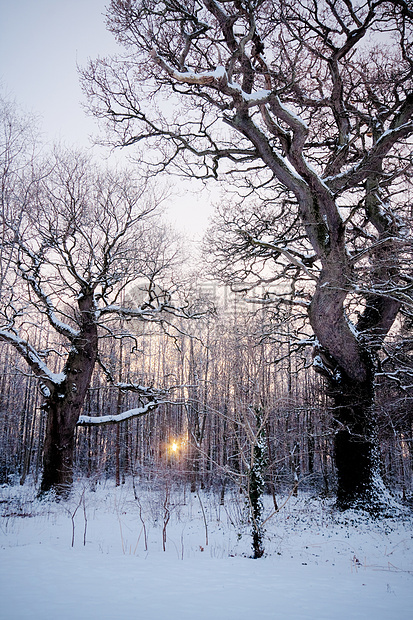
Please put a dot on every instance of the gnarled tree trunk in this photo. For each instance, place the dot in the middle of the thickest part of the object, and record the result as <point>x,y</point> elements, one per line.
<point>65,403</point>
<point>355,442</point>
<point>346,357</point>
<point>58,447</point>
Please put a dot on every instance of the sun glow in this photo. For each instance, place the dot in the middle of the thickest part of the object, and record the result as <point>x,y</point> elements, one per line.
<point>175,448</point>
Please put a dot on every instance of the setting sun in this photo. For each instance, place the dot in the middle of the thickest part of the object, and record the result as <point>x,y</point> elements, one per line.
<point>174,446</point>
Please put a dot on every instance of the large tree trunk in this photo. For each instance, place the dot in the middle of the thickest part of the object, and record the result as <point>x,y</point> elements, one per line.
<point>58,448</point>
<point>346,357</point>
<point>65,403</point>
<point>63,411</point>
<point>356,454</point>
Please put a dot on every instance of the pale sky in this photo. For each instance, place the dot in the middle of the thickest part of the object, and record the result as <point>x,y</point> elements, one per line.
<point>41,44</point>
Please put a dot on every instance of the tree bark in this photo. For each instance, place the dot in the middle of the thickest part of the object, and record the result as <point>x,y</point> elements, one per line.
<point>355,441</point>
<point>65,403</point>
<point>346,357</point>
<point>58,448</point>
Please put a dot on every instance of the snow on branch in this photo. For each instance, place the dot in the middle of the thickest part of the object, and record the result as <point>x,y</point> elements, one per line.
<point>62,328</point>
<point>32,357</point>
<point>86,420</point>
<point>149,312</point>
<point>282,250</point>
<point>143,390</point>
<point>218,77</point>
<point>369,163</point>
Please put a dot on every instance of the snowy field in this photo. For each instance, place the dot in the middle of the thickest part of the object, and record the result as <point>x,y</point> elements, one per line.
<point>101,555</point>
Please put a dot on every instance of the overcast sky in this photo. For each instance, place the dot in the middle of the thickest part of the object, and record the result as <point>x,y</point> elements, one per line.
<point>41,44</point>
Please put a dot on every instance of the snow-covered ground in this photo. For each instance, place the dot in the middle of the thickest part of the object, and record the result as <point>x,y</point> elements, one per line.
<point>100,555</point>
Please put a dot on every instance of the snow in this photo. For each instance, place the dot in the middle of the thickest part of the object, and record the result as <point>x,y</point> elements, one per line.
<point>135,387</point>
<point>257,97</point>
<point>119,417</point>
<point>63,327</point>
<point>208,77</point>
<point>189,76</point>
<point>318,564</point>
<point>56,378</point>
<point>294,118</point>
<point>23,346</point>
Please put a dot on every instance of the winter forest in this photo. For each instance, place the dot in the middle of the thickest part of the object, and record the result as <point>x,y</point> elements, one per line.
<point>240,398</point>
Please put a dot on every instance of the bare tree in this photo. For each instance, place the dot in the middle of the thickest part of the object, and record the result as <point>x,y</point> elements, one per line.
<point>84,239</point>
<point>18,143</point>
<point>309,103</point>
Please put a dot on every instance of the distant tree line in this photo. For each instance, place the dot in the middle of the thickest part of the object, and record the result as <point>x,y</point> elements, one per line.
<point>303,113</point>
<point>216,376</point>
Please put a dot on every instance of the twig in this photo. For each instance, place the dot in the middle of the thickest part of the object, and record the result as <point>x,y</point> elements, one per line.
<point>205,521</point>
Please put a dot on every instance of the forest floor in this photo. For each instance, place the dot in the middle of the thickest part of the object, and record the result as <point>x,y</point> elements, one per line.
<point>100,554</point>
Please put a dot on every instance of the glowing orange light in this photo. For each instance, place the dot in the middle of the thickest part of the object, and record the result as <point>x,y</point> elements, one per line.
<point>174,446</point>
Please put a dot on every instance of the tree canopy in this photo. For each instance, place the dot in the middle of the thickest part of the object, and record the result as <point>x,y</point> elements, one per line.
<point>306,109</point>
